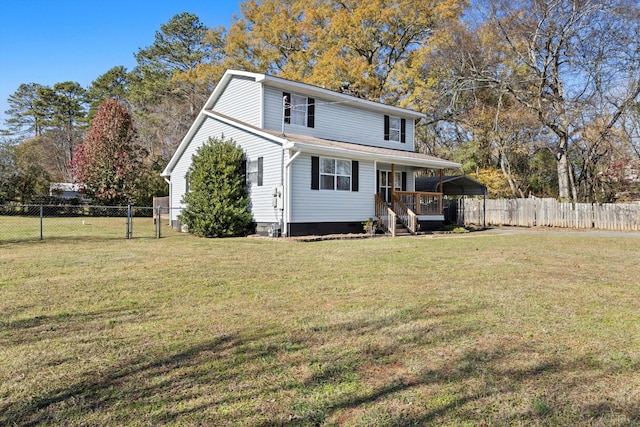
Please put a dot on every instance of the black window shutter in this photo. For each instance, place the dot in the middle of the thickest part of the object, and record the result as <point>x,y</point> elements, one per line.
<point>403,130</point>
<point>311,112</point>
<point>355,175</point>
<point>260,162</point>
<point>404,181</point>
<point>287,107</point>
<point>386,127</point>
<point>315,173</point>
<point>243,170</point>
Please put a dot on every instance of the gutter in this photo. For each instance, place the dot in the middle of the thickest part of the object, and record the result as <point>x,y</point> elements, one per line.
<point>420,163</point>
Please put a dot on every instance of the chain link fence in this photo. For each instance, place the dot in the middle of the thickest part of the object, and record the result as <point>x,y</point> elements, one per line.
<point>42,222</point>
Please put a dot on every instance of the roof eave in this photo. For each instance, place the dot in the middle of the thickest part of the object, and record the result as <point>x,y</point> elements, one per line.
<point>326,94</point>
<point>217,91</point>
<point>355,154</point>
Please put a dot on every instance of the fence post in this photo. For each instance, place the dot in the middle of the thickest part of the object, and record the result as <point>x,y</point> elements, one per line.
<point>41,216</point>
<point>129,222</point>
<point>158,221</point>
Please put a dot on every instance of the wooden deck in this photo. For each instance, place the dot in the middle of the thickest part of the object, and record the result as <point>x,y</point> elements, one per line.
<point>421,203</point>
<point>406,206</point>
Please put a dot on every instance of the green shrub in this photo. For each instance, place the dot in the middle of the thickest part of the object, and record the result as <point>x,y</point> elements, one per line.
<point>217,203</point>
<point>454,228</point>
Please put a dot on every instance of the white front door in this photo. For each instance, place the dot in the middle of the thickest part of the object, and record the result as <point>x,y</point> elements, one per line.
<point>384,184</point>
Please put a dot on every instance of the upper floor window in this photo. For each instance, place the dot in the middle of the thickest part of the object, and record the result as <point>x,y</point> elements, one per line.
<point>299,110</point>
<point>395,129</point>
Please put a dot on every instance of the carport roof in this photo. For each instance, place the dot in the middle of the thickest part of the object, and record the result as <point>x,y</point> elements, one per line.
<point>457,185</point>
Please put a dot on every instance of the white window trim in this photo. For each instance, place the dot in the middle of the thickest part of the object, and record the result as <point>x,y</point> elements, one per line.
<point>395,133</point>
<point>298,104</point>
<point>335,174</point>
<point>252,172</point>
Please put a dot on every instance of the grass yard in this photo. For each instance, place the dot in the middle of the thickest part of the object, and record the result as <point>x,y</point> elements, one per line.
<point>22,228</point>
<point>471,330</point>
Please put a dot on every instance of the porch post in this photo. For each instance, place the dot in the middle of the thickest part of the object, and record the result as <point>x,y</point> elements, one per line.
<point>391,190</point>
<point>441,192</point>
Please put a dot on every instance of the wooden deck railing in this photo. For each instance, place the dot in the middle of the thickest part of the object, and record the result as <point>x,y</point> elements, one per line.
<point>421,203</point>
<point>386,217</point>
<point>406,215</point>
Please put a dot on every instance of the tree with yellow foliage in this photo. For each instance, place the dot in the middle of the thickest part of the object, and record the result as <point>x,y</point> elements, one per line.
<point>360,48</point>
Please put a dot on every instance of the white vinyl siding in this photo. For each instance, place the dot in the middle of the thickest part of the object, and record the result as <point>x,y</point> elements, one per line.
<point>336,121</point>
<point>241,100</point>
<point>309,205</point>
<point>254,148</point>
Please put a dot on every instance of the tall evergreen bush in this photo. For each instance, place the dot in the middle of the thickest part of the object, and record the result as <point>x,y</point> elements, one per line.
<point>217,200</point>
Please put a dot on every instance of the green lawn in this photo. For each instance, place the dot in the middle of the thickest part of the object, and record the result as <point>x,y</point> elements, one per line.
<point>24,228</point>
<point>465,330</point>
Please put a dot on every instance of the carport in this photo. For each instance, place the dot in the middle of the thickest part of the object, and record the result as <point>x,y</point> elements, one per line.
<point>458,186</point>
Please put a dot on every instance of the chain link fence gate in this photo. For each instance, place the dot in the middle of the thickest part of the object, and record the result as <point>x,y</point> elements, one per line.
<point>42,222</point>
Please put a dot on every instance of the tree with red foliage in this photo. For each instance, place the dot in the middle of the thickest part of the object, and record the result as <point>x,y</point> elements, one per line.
<point>109,162</point>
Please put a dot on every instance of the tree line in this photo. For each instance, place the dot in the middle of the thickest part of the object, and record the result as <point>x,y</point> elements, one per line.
<point>532,96</point>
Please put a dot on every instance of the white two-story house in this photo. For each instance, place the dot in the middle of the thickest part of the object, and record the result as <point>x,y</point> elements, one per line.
<point>318,161</point>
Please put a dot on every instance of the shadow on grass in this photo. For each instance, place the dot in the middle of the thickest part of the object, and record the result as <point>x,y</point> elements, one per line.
<point>314,374</point>
<point>99,392</point>
<point>64,324</point>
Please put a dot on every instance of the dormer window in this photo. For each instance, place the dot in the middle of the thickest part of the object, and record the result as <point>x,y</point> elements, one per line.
<point>299,110</point>
<point>395,129</point>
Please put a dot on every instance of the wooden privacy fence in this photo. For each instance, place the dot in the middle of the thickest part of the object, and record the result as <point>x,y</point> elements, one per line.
<point>536,212</point>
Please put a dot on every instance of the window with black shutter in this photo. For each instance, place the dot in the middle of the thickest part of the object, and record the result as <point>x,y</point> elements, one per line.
<point>255,172</point>
<point>334,174</point>
<point>355,175</point>
<point>287,107</point>
<point>395,129</point>
<point>315,173</point>
<point>311,112</point>
<point>299,110</point>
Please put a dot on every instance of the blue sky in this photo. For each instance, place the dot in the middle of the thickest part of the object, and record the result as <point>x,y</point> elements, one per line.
<point>51,41</point>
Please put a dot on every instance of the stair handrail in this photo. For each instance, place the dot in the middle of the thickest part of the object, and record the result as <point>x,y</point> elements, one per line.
<point>386,217</point>
<point>406,215</point>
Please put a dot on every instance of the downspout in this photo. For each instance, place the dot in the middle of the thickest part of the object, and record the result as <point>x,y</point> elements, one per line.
<point>168,181</point>
<point>285,200</point>
<point>292,158</point>
<point>287,195</point>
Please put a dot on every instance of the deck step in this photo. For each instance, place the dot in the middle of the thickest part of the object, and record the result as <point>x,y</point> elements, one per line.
<point>401,230</point>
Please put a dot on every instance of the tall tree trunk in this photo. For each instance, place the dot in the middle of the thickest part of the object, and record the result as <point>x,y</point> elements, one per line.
<point>564,186</point>
<point>506,171</point>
